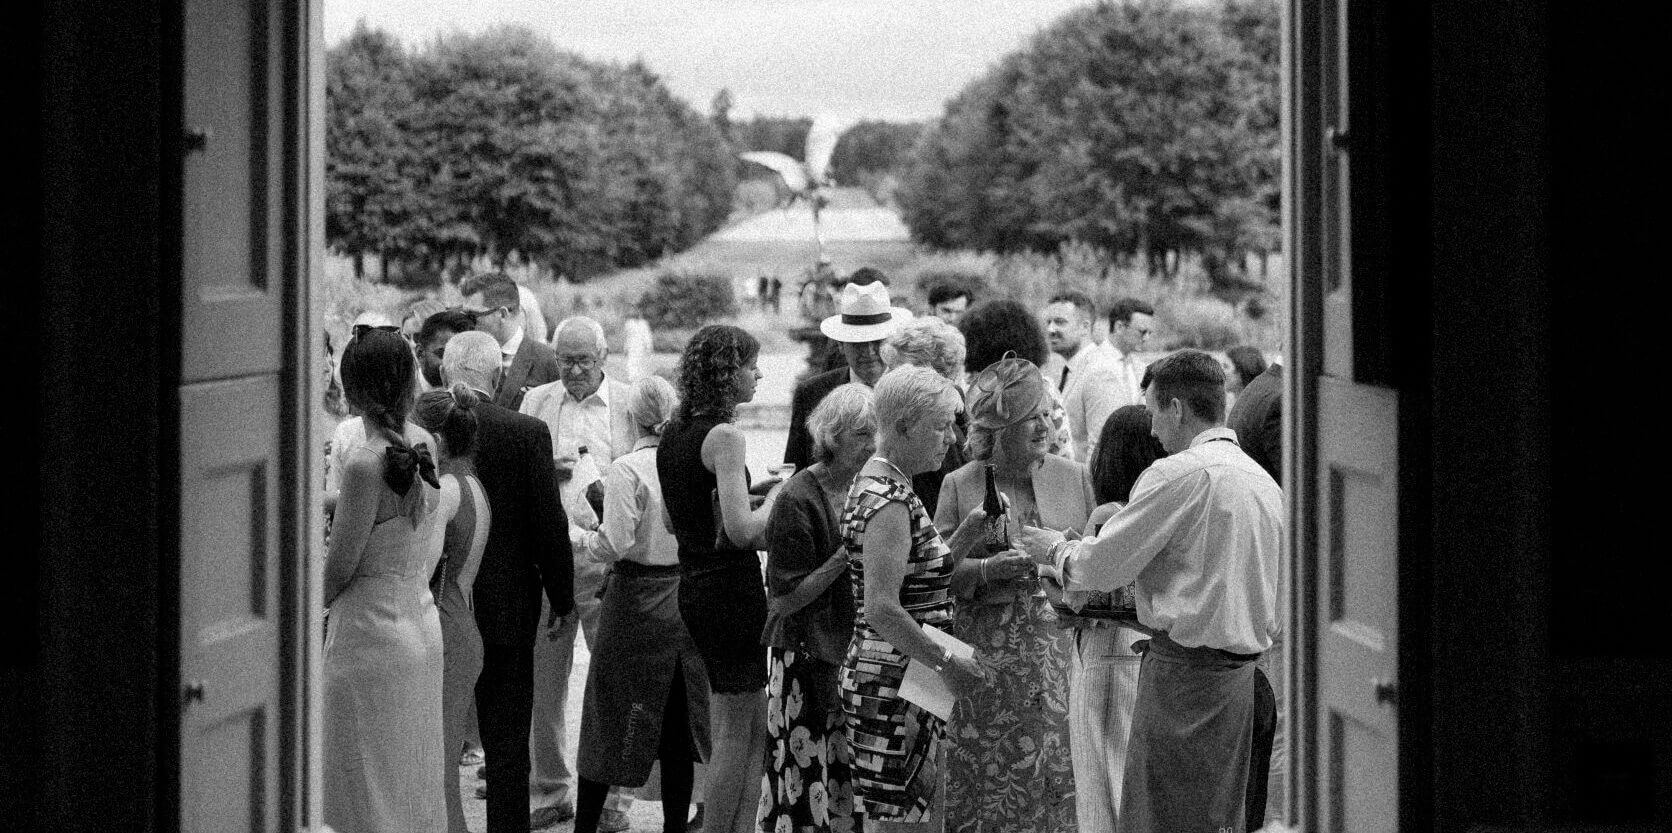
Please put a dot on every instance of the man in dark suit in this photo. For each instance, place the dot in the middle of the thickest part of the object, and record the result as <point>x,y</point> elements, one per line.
<point>1257,417</point>
<point>527,552</point>
<point>527,363</point>
<point>864,318</point>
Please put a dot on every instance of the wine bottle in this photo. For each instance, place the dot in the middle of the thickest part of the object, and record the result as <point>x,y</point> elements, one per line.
<point>997,529</point>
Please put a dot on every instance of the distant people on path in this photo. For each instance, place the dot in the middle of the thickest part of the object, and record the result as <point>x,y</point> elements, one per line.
<point>1090,382</point>
<point>461,534</point>
<point>949,300</point>
<point>527,552</point>
<point>583,409</point>
<point>1021,717</point>
<point>932,343</point>
<point>1130,323</point>
<point>383,649</point>
<point>646,689</point>
<point>864,317</point>
<point>901,569</point>
<point>809,624</point>
<point>995,328</point>
<point>494,300</point>
<point>705,485</point>
<point>1209,590</point>
<point>775,292</point>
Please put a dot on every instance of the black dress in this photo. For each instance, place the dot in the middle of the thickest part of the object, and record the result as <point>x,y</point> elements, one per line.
<point>721,593</point>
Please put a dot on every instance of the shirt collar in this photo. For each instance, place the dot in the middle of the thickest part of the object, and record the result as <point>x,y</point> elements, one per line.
<point>650,441</point>
<point>513,344</point>
<point>602,394</point>
<point>1216,433</point>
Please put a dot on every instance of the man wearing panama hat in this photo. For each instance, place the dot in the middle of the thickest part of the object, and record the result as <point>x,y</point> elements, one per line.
<point>864,317</point>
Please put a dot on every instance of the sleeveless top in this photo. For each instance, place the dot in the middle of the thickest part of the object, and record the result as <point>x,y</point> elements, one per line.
<point>688,491</point>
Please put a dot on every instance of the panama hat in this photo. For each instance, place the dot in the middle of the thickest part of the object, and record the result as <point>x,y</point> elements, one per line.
<point>863,313</point>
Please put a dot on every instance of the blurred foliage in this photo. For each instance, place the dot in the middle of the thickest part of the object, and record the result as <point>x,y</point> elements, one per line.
<point>685,300</point>
<point>500,145</point>
<point>1148,129</point>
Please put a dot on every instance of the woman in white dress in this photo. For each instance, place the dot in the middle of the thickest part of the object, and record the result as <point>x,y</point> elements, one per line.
<point>460,534</point>
<point>383,654</point>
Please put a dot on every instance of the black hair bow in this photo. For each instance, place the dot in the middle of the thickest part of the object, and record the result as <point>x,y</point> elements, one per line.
<point>401,463</point>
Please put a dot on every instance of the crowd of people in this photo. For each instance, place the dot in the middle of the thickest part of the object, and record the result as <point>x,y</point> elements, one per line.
<point>1099,538</point>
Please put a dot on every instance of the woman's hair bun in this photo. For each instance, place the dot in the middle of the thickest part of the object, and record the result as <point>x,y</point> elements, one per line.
<point>463,396</point>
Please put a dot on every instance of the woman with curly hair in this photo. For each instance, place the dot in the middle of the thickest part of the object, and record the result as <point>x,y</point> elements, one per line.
<point>999,327</point>
<point>705,487</point>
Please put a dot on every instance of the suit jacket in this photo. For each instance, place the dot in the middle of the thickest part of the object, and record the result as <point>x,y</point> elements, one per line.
<point>1257,417</point>
<point>808,395</point>
<point>1061,492</point>
<point>544,401</point>
<point>534,365</point>
<point>528,542</point>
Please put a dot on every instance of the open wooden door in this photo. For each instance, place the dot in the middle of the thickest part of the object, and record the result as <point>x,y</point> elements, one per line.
<point>247,182</point>
<point>1344,428</point>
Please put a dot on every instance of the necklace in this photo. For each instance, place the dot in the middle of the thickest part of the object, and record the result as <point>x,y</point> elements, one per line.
<point>889,463</point>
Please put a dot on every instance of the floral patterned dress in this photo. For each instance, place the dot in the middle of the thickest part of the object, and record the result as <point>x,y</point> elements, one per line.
<point>897,746</point>
<point>809,775</point>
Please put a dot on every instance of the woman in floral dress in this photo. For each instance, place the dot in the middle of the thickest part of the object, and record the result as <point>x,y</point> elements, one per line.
<point>1011,769</point>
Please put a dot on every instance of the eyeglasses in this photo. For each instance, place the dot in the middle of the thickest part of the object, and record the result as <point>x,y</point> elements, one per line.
<point>480,313</point>
<point>582,362</point>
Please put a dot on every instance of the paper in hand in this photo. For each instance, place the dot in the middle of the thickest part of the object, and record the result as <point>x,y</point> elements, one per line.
<point>925,688</point>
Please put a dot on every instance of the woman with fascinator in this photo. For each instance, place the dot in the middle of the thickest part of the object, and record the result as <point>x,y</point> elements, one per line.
<point>1010,768</point>
<point>383,651</point>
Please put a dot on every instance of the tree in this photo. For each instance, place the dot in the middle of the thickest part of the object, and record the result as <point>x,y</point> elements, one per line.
<point>1142,128</point>
<point>370,194</point>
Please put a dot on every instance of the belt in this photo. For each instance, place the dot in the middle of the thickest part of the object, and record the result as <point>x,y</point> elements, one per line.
<point>1142,646</point>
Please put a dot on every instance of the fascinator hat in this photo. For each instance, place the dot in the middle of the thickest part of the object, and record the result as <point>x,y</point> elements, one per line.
<point>1008,391</point>
<point>864,313</point>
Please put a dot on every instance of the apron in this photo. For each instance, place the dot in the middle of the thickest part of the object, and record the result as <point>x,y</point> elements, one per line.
<point>641,641</point>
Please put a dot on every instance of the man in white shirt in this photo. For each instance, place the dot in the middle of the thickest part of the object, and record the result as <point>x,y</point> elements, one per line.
<point>1201,537</point>
<point>1089,381</point>
<point>583,409</point>
<point>1130,323</point>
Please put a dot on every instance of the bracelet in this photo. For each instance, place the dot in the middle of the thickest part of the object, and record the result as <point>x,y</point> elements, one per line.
<point>983,565</point>
<point>1056,550</point>
<point>945,660</point>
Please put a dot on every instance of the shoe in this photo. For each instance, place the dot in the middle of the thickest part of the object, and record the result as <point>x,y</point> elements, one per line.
<point>548,816</point>
<point>471,757</point>
<point>482,791</point>
<point>482,772</point>
<point>696,821</point>
<point>614,821</point>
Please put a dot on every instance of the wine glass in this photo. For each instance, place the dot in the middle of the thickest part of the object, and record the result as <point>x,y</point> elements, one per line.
<point>1030,517</point>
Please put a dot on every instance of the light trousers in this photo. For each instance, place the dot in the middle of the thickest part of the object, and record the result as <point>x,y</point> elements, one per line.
<point>1101,692</point>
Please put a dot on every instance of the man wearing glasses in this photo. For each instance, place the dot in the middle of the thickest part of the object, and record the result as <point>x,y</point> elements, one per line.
<point>584,409</point>
<point>492,298</point>
<point>1130,323</point>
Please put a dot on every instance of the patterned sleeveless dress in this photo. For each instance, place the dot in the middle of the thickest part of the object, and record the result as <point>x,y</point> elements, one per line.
<point>897,746</point>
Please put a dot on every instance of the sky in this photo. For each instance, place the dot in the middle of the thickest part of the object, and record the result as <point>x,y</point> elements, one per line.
<point>852,59</point>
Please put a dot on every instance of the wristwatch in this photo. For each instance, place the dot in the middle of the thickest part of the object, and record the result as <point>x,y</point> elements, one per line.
<point>945,660</point>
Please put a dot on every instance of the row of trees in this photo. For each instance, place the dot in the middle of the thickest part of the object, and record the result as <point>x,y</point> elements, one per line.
<point>499,144</point>
<point>1147,129</point>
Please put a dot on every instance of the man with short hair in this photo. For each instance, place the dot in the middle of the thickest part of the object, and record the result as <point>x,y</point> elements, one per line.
<point>1201,537</point>
<point>432,339</point>
<point>948,300</point>
<point>1088,381</point>
<point>527,552</point>
<point>494,300</point>
<point>583,409</point>
<point>1130,323</point>
<point>864,317</point>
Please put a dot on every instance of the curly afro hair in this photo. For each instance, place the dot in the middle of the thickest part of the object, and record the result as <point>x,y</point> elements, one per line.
<point>708,370</point>
<point>995,326</point>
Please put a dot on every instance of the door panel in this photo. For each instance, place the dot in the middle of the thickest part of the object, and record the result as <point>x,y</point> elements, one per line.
<point>1357,598</point>
<point>230,657</point>
<point>1342,435</point>
<point>247,102</point>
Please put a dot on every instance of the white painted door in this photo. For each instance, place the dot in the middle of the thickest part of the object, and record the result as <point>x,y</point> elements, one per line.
<point>1344,434</point>
<point>245,511</point>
